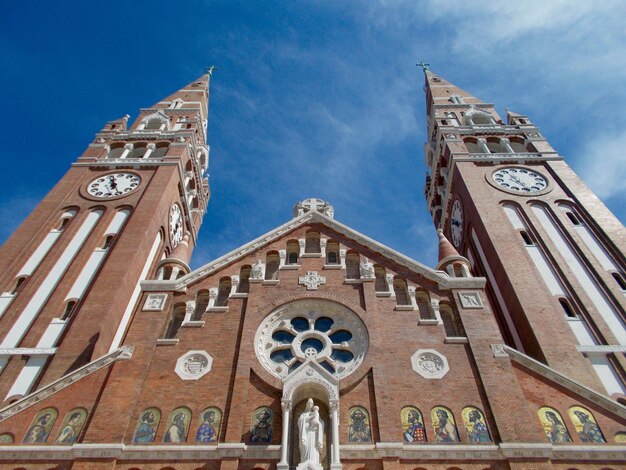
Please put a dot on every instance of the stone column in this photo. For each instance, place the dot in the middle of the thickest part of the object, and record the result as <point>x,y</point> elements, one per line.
<point>302,243</point>
<point>149,149</point>
<point>482,143</point>
<point>234,284</point>
<point>212,297</point>
<point>284,447</point>
<point>190,306</point>
<point>506,143</point>
<point>174,275</point>
<point>323,247</point>
<point>335,463</point>
<point>342,258</point>
<point>282,256</point>
<point>411,290</point>
<point>390,285</point>
<point>127,149</point>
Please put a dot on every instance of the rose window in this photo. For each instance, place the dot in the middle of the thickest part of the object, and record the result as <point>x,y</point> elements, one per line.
<point>322,331</point>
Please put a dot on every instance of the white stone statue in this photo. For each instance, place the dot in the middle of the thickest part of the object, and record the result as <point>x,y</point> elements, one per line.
<point>311,433</point>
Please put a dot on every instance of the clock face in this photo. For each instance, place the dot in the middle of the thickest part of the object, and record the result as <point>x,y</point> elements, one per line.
<point>519,180</point>
<point>113,185</point>
<point>456,223</point>
<point>176,225</point>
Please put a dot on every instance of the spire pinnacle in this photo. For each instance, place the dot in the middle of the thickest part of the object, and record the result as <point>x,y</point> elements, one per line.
<point>425,67</point>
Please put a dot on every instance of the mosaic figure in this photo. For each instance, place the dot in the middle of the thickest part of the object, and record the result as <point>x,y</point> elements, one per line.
<point>620,437</point>
<point>359,425</point>
<point>444,425</point>
<point>586,426</point>
<point>474,422</point>
<point>41,425</point>
<point>413,429</point>
<point>147,425</point>
<point>209,428</point>
<point>177,425</point>
<point>6,438</point>
<point>553,426</point>
<point>262,430</point>
<point>72,425</point>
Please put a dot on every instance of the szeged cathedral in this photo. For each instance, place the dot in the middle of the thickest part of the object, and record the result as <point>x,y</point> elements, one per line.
<point>314,347</point>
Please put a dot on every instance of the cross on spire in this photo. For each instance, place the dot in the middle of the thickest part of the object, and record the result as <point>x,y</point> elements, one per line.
<point>424,66</point>
<point>210,69</point>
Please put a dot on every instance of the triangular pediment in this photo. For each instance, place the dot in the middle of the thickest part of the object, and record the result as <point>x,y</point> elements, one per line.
<point>438,277</point>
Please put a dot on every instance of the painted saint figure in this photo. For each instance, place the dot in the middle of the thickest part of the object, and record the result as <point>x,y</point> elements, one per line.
<point>206,431</point>
<point>558,432</point>
<point>479,432</point>
<point>415,431</point>
<point>445,431</point>
<point>311,434</point>
<point>39,431</point>
<point>70,431</point>
<point>590,431</point>
<point>176,431</point>
<point>262,430</point>
<point>359,429</point>
<point>146,430</point>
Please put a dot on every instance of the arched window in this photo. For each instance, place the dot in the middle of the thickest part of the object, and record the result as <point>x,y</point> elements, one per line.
<point>223,292</point>
<point>566,308</point>
<point>332,252</point>
<point>154,124</point>
<point>69,310</point>
<point>401,290</point>
<point>293,250</point>
<point>517,145</point>
<point>572,217</point>
<point>108,241</point>
<point>19,283</point>
<point>176,320</point>
<point>312,242</point>
<point>450,322</point>
<point>472,146</point>
<point>138,151</point>
<point>202,302</point>
<point>116,151</point>
<point>480,119</point>
<point>159,151</point>
<point>244,279</point>
<point>423,305</point>
<point>272,262</point>
<point>495,146</point>
<point>381,279</point>
<point>527,240</point>
<point>352,265</point>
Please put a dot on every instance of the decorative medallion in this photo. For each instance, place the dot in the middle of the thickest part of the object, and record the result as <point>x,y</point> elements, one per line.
<point>312,280</point>
<point>154,302</point>
<point>429,363</point>
<point>470,300</point>
<point>193,365</point>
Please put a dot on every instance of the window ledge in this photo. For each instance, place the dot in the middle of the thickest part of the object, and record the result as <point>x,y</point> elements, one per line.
<point>217,309</point>
<point>239,295</point>
<point>333,266</point>
<point>353,281</point>
<point>167,341</point>
<point>404,308</point>
<point>192,324</point>
<point>456,340</point>
<point>428,321</point>
<point>271,282</point>
<point>383,294</point>
<point>290,266</point>
<point>311,255</point>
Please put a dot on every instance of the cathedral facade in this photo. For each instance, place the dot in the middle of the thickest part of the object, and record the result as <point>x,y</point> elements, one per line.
<point>313,346</point>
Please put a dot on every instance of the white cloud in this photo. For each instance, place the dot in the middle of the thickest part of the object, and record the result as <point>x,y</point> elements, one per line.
<point>602,165</point>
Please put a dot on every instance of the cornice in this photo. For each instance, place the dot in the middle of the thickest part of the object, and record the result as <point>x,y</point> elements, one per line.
<point>573,386</point>
<point>442,279</point>
<point>124,352</point>
<point>379,450</point>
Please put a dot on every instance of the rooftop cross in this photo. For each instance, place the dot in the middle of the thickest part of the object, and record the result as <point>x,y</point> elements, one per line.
<point>424,66</point>
<point>210,69</point>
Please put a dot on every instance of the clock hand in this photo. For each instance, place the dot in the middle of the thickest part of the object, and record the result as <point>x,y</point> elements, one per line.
<point>455,222</point>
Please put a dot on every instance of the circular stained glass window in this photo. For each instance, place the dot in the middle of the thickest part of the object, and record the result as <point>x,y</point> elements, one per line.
<point>312,330</point>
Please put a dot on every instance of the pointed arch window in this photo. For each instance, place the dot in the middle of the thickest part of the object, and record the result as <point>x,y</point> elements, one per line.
<point>272,262</point>
<point>293,250</point>
<point>244,279</point>
<point>176,320</point>
<point>223,291</point>
<point>312,242</point>
<point>332,252</point>
<point>202,302</point>
<point>352,265</point>
<point>401,290</point>
<point>380,275</point>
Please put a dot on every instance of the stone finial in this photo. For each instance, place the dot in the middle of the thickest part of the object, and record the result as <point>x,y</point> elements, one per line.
<point>313,204</point>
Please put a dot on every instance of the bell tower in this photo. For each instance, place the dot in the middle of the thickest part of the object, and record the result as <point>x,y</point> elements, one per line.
<point>129,209</point>
<point>552,253</point>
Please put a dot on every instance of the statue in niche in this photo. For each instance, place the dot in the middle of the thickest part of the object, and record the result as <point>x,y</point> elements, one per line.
<point>311,434</point>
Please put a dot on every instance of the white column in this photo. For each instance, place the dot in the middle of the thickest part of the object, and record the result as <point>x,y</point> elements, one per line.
<point>323,247</point>
<point>506,143</point>
<point>127,149</point>
<point>482,143</point>
<point>411,290</point>
<point>282,256</point>
<point>190,306</point>
<point>174,275</point>
<point>149,149</point>
<point>284,447</point>
<point>234,284</point>
<point>342,258</point>
<point>335,463</point>
<point>302,243</point>
<point>390,285</point>
<point>212,297</point>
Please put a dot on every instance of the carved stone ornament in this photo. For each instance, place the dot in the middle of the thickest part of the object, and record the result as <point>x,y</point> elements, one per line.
<point>312,280</point>
<point>470,300</point>
<point>366,270</point>
<point>258,270</point>
<point>155,302</point>
<point>429,363</point>
<point>193,365</point>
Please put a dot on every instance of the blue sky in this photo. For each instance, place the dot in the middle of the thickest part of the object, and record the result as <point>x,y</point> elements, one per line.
<point>311,99</point>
